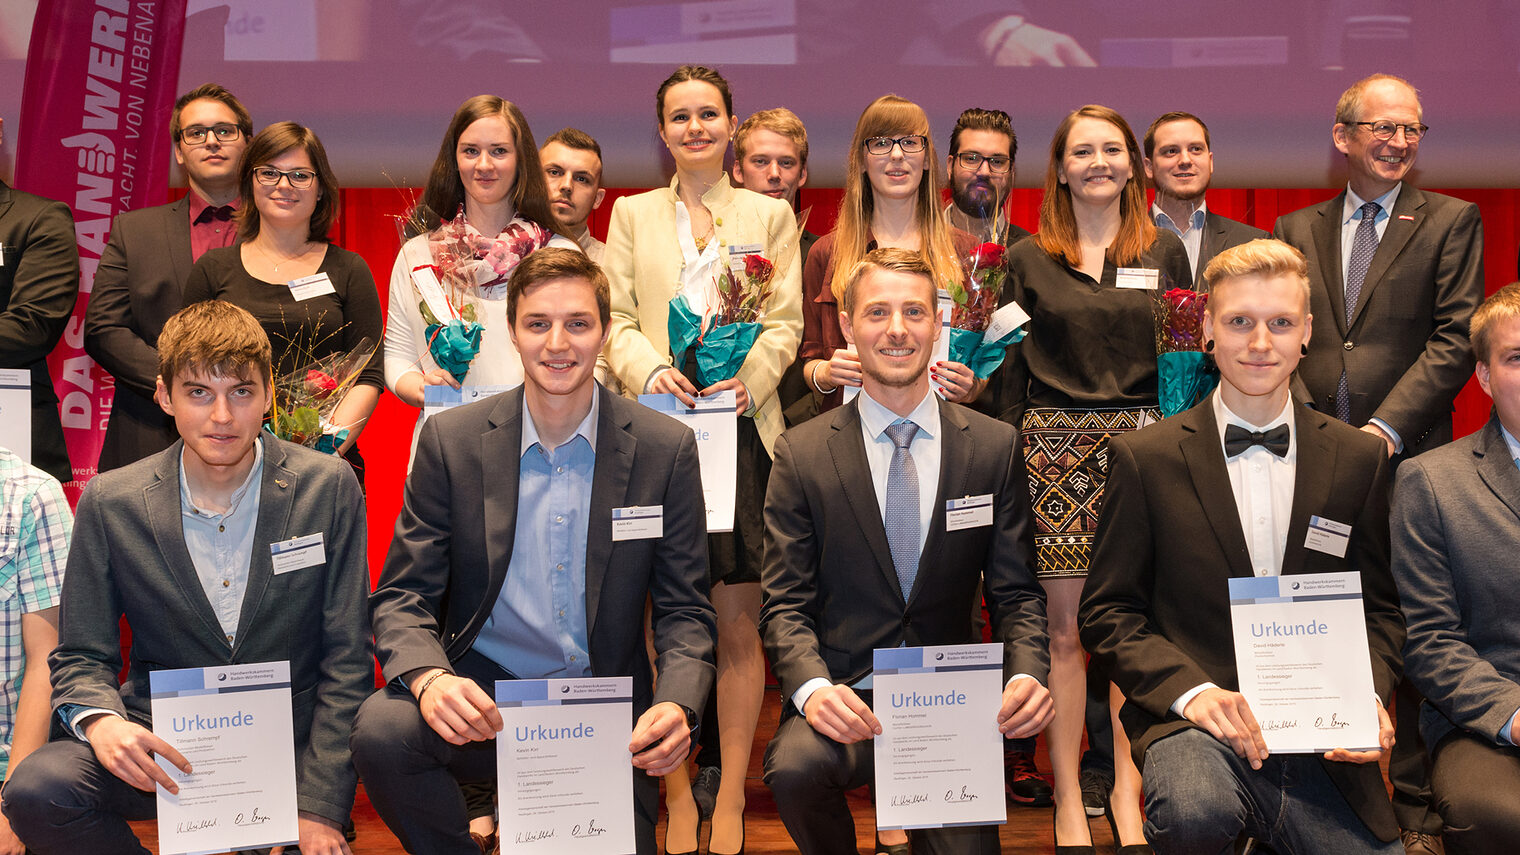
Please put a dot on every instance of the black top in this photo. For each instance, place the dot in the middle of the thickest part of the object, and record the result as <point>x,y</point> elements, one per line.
<point>300,331</point>
<point>1090,344</point>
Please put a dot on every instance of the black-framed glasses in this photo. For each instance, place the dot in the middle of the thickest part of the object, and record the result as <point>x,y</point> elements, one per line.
<point>910,144</point>
<point>1386,130</point>
<point>195,134</point>
<point>971,161</point>
<point>298,178</point>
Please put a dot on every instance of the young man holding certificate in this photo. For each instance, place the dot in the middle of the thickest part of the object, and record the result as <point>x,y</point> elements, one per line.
<point>534,528</point>
<point>861,554</point>
<point>186,545</point>
<point>1229,489</point>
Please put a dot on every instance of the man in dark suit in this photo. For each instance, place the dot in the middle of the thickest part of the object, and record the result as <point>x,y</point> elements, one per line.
<point>858,557</point>
<point>1180,163</point>
<point>1396,273</point>
<point>1456,531</point>
<point>1227,489</point>
<point>468,595</point>
<point>180,545</point>
<point>143,269</point>
<point>39,280</point>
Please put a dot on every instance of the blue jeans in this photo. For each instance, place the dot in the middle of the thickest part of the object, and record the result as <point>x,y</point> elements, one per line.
<point>1200,797</point>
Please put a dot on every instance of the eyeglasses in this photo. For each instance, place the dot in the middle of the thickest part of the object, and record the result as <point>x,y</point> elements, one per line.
<point>1386,130</point>
<point>911,144</point>
<point>195,134</point>
<point>270,177</point>
<point>972,161</point>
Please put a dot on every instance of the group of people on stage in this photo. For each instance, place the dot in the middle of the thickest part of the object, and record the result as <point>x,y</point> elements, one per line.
<point>1340,342</point>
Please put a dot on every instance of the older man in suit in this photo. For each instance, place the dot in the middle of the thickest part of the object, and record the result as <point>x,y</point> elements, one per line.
<point>1228,489</point>
<point>180,545</point>
<point>142,271</point>
<point>858,557</point>
<point>1456,531</point>
<point>470,595</point>
<point>39,280</point>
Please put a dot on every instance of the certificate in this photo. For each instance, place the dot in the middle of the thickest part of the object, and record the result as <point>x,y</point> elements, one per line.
<point>436,399</point>
<point>1301,653</point>
<point>939,758</point>
<point>233,723</point>
<point>564,775</point>
<point>716,427</point>
<point>16,411</point>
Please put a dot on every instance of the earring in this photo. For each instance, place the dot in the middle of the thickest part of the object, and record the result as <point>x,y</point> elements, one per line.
<point>1303,350</point>
<point>1208,346</point>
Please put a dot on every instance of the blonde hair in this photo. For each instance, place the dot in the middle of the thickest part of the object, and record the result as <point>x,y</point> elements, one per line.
<point>1058,224</point>
<point>779,121</point>
<point>887,258</point>
<point>1260,257</point>
<point>1501,305</point>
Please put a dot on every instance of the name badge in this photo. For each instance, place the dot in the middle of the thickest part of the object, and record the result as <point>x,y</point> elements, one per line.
<point>1328,536</point>
<point>307,287</point>
<point>638,523</point>
<point>738,252</point>
<point>1138,277</point>
<point>297,553</point>
<point>969,512</point>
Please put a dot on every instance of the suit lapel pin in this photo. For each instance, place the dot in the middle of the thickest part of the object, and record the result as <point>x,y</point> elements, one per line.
<point>281,482</point>
<point>1406,217</point>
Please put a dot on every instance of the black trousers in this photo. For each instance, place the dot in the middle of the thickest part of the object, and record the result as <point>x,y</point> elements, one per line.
<point>1474,782</point>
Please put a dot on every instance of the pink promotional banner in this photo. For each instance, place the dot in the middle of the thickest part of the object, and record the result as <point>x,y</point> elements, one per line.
<point>100,85</point>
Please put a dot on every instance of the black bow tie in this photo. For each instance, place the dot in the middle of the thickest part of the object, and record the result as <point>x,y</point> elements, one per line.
<point>1237,439</point>
<point>217,212</point>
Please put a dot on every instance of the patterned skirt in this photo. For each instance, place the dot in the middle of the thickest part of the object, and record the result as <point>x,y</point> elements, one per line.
<point>1066,452</point>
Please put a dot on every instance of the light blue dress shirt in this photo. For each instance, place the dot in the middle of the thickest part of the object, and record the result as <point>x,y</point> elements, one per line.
<point>1192,238</point>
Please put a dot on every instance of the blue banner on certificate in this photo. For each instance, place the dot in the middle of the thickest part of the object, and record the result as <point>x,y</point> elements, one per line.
<point>16,412</point>
<point>1301,653</point>
<point>233,723</point>
<point>436,399</point>
<point>939,758</point>
<point>564,774</point>
<point>716,427</point>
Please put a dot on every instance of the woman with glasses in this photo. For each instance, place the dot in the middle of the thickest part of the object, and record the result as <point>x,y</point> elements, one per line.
<point>1085,371</point>
<point>891,199</point>
<point>677,240</point>
<point>484,210</point>
<point>312,298</point>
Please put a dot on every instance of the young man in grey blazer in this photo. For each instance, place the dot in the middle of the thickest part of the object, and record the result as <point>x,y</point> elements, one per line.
<point>180,545</point>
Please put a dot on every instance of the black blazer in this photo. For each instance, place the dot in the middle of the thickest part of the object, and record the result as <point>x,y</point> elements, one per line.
<point>1405,353</point>
<point>138,286</point>
<point>1155,611</point>
<point>39,282</point>
<point>1219,234</point>
<point>831,594</point>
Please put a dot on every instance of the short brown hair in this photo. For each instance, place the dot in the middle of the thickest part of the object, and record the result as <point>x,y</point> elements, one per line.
<point>554,262</point>
<point>979,119</point>
<point>1149,143</point>
<point>686,73</point>
<point>276,140</point>
<point>210,92</point>
<point>777,120</point>
<point>1349,108</point>
<point>213,337</point>
<point>1260,257</point>
<point>1501,305</point>
<point>888,258</point>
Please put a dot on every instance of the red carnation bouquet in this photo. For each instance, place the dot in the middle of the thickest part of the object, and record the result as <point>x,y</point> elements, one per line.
<point>1184,373</point>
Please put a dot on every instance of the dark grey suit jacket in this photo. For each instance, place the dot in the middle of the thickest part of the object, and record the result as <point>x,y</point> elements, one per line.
<point>453,543</point>
<point>1219,234</point>
<point>1405,353</point>
<point>39,281</point>
<point>1456,532</point>
<point>831,590</point>
<point>128,558</point>
<point>1156,607</point>
<point>138,286</point>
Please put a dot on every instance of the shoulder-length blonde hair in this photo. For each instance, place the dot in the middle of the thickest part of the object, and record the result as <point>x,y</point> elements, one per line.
<point>1058,225</point>
<point>891,116</point>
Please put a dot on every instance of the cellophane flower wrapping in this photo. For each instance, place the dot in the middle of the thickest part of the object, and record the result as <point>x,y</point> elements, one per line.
<point>305,399</point>
<point>1185,374</point>
<point>976,299</point>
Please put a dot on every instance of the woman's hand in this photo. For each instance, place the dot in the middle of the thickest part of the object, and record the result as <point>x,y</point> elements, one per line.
<point>412,386</point>
<point>960,384</point>
<point>842,369</point>
<point>741,394</point>
<point>672,382</point>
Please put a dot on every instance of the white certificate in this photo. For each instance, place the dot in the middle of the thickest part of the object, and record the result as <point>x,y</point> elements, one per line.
<point>716,427</point>
<point>233,723</point>
<point>939,758</point>
<point>440,397</point>
<point>1301,653</point>
<point>564,775</point>
<point>16,411</point>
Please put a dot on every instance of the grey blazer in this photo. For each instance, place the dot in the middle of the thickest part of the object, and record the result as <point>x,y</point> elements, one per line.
<point>1456,532</point>
<point>128,558</point>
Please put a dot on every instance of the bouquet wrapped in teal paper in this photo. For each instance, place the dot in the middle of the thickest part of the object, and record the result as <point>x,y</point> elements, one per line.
<point>1184,372</point>
<point>306,399</point>
<point>454,342</point>
<point>976,313</point>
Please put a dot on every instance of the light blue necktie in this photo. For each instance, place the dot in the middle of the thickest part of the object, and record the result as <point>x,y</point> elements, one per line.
<point>1362,247</point>
<point>902,505</point>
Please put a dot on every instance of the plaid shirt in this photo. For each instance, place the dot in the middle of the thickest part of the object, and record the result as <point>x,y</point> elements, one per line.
<point>35,523</point>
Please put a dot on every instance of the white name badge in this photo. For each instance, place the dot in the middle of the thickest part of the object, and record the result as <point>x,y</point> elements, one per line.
<point>307,287</point>
<point>297,553</point>
<point>1138,277</point>
<point>738,252</point>
<point>1328,536</point>
<point>638,523</point>
<point>969,512</point>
